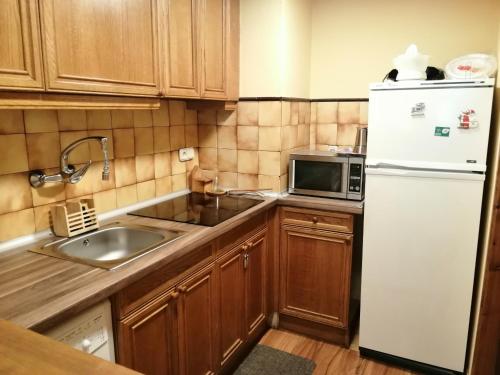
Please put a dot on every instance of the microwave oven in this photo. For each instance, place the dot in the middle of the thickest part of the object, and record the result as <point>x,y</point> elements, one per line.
<point>327,174</point>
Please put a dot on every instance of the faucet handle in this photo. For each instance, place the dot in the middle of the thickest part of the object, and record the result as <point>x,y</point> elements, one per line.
<point>78,175</point>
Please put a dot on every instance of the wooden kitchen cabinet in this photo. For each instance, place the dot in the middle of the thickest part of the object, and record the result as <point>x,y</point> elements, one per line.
<point>315,274</point>
<point>101,46</point>
<point>180,47</point>
<point>196,317</point>
<point>254,263</point>
<point>147,339</point>
<point>200,48</point>
<point>231,304</point>
<point>200,313</point>
<point>242,295</point>
<point>173,48</point>
<point>20,49</point>
<point>219,40</point>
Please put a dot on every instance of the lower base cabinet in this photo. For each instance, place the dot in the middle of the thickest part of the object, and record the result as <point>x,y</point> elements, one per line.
<point>316,250</point>
<point>242,296</point>
<point>148,339</point>
<point>173,334</point>
<point>254,264</point>
<point>196,320</point>
<point>230,304</point>
<point>204,322</point>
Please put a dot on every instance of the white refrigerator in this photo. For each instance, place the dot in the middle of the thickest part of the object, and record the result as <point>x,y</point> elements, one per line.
<point>426,165</point>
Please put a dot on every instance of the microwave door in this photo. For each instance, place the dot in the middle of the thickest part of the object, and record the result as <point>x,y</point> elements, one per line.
<point>319,178</point>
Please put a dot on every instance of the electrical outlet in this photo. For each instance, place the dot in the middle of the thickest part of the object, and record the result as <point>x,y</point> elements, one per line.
<point>186,154</point>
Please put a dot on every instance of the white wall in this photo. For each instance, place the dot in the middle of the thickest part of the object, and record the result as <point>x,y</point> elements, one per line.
<point>354,41</point>
<point>260,54</point>
<point>296,53</point>
<point>335,48</point>
<point>275,40</point>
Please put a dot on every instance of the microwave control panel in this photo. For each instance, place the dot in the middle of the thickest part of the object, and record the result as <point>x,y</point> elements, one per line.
<point>355,183</point>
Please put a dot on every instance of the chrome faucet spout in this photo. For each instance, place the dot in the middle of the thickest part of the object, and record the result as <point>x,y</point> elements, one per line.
<point>65,168</point>
<point>68,173</point>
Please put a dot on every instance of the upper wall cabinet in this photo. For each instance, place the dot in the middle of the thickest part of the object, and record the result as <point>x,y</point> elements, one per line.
<point>20,54</point>
<point>218,19</point>
<point>180,47</point>
<point>102,46</point>
<point>201,48</point>
<point>153,48</point>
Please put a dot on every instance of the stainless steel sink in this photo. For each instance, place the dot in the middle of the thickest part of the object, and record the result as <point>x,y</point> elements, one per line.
<point>110,246</point>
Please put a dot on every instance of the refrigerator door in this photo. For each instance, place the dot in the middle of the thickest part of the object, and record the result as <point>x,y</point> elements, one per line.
<point>419,128</point>
<point>419,252</point>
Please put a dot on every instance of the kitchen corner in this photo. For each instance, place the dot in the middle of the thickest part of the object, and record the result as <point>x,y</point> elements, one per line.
<point>299,187</point>
<point>70,287</point>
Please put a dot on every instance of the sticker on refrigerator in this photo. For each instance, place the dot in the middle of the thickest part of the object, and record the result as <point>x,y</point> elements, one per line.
<point>442,131</point>
<point>467,119</point>
<point>418,110</point>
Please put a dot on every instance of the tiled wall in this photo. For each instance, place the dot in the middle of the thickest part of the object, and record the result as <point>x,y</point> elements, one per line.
<point>336,123</point>
<point>143,150</point>
<point>248,148</point>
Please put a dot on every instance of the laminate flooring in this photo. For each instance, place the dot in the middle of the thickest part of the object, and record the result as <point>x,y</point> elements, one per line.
<point>330,359</point>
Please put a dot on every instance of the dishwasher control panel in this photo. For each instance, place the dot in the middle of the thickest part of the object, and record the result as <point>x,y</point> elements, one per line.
<point>88,336</point>
<point>90,331</point>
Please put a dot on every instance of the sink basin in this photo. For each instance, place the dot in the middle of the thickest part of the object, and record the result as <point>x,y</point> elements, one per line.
<point>110,246</point>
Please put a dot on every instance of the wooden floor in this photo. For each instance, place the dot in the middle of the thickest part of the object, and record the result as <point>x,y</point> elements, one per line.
<point>330,359</point>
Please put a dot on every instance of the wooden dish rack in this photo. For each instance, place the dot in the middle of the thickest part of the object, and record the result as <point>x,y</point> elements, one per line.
<point>74,218</point>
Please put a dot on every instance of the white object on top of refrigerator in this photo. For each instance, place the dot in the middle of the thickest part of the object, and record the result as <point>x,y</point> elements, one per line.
<point>426,160</point>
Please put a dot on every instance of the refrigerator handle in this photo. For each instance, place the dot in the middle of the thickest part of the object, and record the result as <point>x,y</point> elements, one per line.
<point>384,165</point>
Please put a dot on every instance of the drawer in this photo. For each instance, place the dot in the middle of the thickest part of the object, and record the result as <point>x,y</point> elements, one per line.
<point>325,220</point>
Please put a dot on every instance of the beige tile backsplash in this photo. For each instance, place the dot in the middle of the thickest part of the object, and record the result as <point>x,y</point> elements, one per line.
<point>248,149</point>
<point>336,123</point>
<point>143,148</point>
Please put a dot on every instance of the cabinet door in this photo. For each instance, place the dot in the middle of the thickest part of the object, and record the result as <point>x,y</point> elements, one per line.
<point>180,50</point>
<point>147,340</point>
<point>315,268</point>
<point>214,35</point>
<point>20,52</point>
<point>107,46</point>
<point>230,304</point>
<point>197,324</point>
<point>254,261</point>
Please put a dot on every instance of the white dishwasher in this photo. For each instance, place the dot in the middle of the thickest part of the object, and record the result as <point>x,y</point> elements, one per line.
<point>90,331</point>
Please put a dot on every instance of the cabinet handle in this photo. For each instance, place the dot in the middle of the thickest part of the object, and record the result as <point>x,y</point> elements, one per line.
<point>182,289</point>
<point>245,261</point>
<point>174,295</point>
<point>250,244</point>
<point>315,220</point>
<point>244,247</point>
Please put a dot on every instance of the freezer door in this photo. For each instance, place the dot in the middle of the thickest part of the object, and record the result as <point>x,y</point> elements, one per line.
<point>420,128</point>
<point>419,252</point>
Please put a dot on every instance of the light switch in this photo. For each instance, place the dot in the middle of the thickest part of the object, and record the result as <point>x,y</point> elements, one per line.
<point>186,154</point>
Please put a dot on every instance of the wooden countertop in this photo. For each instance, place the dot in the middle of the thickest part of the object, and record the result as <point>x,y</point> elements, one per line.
<point>25,352</point>
<point>38,291</point>
<point>328,204</point>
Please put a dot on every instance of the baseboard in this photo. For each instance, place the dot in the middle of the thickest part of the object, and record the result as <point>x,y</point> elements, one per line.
<point>407,363</point>
<point>318,331</point>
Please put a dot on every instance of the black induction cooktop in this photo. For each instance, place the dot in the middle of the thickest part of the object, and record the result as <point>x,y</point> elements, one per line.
<point>198,208</point>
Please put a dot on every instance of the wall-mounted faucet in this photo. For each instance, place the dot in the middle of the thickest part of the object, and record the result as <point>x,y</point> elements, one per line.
<point>68,173</point>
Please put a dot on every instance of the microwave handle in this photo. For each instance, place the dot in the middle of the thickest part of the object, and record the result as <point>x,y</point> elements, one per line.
<point>345,177</point>
<point>291,174</point>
